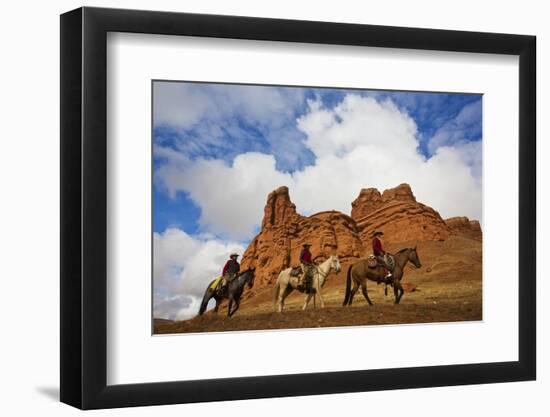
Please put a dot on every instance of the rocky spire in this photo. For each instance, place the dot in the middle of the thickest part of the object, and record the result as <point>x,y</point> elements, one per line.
<point>370,199</point>
<point>278,208</point>
<point>402,192</point>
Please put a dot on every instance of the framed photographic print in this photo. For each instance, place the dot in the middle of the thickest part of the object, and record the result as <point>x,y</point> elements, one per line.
<point>258,207</point>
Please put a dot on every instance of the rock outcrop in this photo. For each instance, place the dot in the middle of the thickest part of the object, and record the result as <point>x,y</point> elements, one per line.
<point>395,211</point>
<point>284,231</point>
<point>463,226</point>
<point>279,209</point>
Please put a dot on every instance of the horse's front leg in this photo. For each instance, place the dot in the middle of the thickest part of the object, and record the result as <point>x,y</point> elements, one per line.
<point>280,304</point>
<point>229,307</point>
<point>401,291</point>
<point>281,298</point>
<point>237,305</point>
<point>318,292</point>
<point>398,291</point>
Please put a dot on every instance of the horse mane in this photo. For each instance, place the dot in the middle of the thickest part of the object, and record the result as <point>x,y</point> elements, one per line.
<point>248,270</point>
<point>403,250</point>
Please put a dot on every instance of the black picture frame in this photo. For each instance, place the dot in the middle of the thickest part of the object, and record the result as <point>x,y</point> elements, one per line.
<point>84,207</point>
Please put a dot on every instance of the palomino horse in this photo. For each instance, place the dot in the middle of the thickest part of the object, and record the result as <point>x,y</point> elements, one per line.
<point>234,291</point>
<point>359,273</point>
<point>286,284</point>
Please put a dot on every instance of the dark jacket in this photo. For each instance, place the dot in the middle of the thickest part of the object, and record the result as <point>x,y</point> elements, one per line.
<point>231,267</point>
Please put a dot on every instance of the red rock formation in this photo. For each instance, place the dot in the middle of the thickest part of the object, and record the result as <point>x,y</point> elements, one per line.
<point>369,200</point>
<point>395,211</point>
<point>278,245</point>
<point>462,226</point>
<point>402,192</point>
<point>279,209</point>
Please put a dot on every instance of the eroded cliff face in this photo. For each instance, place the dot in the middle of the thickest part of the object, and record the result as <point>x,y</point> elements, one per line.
<point>465,227</point>
<point>284,232</point>
<point>279,209</point>
<point>395,211</point>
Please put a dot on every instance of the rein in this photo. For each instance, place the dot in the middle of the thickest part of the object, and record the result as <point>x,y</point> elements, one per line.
<point>323,274</point>
<point>247,272</point>
<point>240,279</point>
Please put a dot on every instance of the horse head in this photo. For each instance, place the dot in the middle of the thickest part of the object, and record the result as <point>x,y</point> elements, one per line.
<point>335,263</point>
<point>250,278</point>
<point>413,257</point>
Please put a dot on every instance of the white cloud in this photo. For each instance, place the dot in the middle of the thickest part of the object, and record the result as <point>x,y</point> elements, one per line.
<point>227,195</point>
<point>358,121</point>
<point>176,307</point>
<point>206,115</point>
<point>359,143</point>
<point>184,105</point>
<point>179,104</point>
<point>183,265</point>
<point>472,155</point>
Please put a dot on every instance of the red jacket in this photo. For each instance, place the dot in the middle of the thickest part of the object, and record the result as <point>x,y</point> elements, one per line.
<point>377,248</point>
<point>231,266</point>
<point>305,256</point>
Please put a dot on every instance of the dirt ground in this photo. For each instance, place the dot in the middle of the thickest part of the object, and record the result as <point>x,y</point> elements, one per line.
<point>448,287</point>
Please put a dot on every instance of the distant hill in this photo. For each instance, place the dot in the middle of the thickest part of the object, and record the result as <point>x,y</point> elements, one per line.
<point>162,321</point>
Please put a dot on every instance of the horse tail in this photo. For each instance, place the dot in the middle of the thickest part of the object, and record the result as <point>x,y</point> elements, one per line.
<point>276,293</point>
<point>348,287</point>
<point>205,299</point>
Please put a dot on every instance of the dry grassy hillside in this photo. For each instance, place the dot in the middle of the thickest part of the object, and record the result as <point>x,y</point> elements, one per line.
<point>447,288</point>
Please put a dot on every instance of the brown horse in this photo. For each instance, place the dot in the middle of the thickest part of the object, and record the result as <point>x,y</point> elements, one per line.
<point>359,273</point>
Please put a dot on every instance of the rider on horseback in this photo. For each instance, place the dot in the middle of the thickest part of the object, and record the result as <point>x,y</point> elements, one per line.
<point>230,270</point>
<point>380,253</point>
<point>306,262</point>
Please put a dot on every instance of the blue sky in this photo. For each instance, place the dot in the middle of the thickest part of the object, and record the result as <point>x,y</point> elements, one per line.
<point>216,136</point>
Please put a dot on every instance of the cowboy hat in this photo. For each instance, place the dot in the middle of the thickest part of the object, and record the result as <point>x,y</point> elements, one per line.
<point>234,254</point>
<point>306,244</point>
<point>377,233</point>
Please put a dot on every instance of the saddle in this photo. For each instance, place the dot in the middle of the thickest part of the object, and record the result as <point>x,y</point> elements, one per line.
<point>296,272</point>
<point>372,262</point>
<point>388,261</point>
<point>306,285</point>
<point>215,283</point>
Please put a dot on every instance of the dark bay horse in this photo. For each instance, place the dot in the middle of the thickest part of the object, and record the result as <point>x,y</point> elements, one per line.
<point>233,293</point>
<point>359,273</point>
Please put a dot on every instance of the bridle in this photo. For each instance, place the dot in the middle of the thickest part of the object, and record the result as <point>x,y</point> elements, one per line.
<point>323,274</point>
